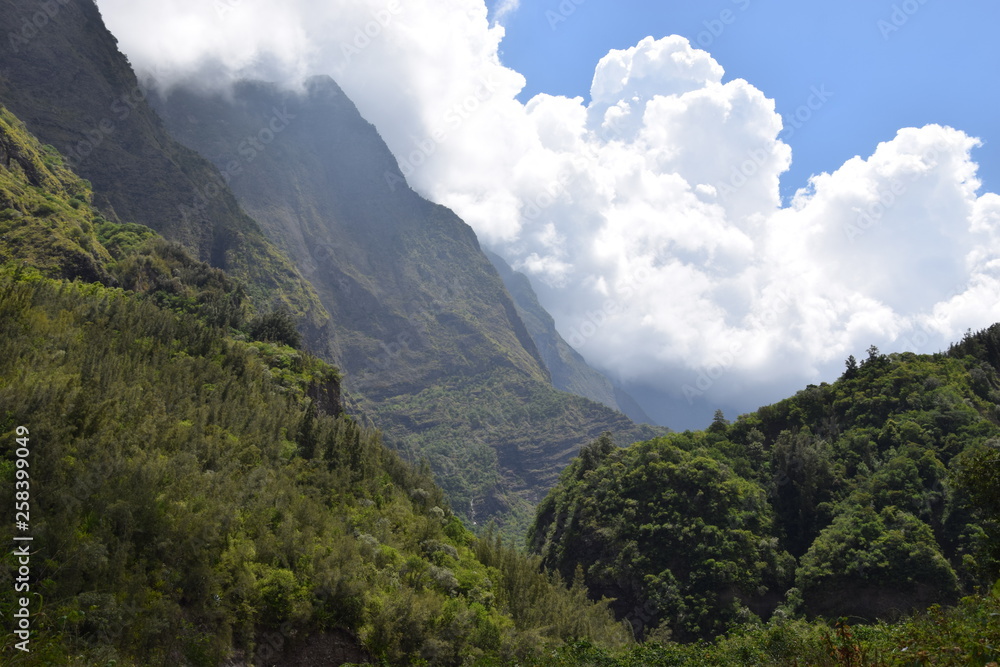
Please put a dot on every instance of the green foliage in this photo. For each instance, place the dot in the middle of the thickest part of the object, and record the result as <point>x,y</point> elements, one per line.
<point>45,219</point>
<point>967,634</point>
<point>123,239</point>
<point>871,564</point>
<point>177,517</point>
<point>676,538</point>
<point>471,432</point>
<point>278,326</point>
<point>165,273</point>
<point>978,474</point>
<point>879,492</point>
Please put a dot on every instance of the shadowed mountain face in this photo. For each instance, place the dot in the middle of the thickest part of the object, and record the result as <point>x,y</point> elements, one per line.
<point>570,371</point>
<point>424,327</point>
<point>413,298</point>
<point>65,78</point>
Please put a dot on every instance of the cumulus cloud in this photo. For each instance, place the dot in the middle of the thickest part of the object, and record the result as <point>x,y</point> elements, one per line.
<point>648,217</point>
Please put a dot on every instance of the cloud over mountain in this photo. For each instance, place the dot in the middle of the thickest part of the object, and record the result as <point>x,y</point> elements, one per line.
<point>648,217</point>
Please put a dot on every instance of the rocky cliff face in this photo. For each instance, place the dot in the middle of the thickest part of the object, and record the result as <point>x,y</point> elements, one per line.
<point>425,329</point>
<point>62,74</point>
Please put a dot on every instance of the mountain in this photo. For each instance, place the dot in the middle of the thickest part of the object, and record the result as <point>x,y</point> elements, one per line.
<point>63,76</point>
<point>195,495</point>
<point>569,370</point>
<point>191,489</point>
<point>425,330</point>
<point>398,294</point>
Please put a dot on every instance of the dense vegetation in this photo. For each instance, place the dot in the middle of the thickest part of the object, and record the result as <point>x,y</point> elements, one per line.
<point>196,493</point>
<point>968,634</point>
<point>867,498</point>
<point>188,495</point>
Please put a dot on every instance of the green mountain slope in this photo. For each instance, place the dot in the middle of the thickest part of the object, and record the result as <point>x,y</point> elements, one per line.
<point>195,496</point>
<point>426,332</point>
<point>867,498</point>
<point>72,88</point>
<point>57,236</point>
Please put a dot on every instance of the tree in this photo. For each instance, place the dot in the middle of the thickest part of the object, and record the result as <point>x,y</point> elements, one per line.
<point>593,454</point>
<point>278,326</point>
<point>852,367</point>
<point>874,564</point>
<point>978,476</point>
<point>719,423</point>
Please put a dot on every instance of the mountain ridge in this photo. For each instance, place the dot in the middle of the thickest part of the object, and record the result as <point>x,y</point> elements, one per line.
<point>428,335</point>
<point>75,91</point>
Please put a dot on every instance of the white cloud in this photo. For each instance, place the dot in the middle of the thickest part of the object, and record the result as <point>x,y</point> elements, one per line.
<point>649,219</point>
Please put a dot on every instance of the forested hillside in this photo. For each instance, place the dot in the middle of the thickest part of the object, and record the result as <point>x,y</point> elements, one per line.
<point>868,498</point>
<point>196,495</point>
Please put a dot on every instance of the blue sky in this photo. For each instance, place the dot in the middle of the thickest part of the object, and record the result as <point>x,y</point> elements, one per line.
<point>939,66</point>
